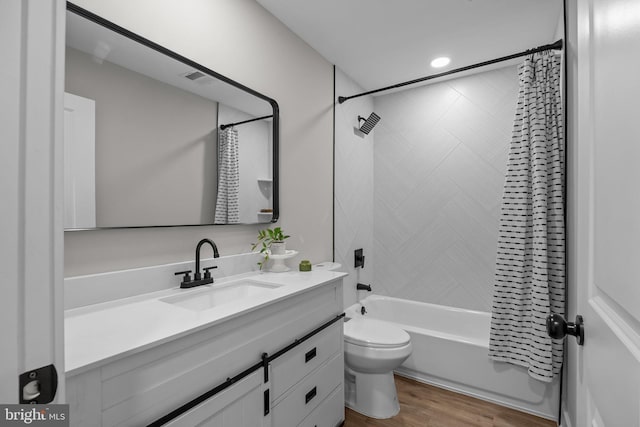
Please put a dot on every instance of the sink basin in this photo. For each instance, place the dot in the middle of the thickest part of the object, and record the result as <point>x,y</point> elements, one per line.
<point>210,297</point>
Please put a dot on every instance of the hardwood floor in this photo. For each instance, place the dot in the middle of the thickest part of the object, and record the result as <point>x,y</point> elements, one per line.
<point>423,405</point>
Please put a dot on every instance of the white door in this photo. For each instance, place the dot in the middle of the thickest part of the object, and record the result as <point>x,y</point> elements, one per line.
<point>31,234</point>
<point>607,212</point>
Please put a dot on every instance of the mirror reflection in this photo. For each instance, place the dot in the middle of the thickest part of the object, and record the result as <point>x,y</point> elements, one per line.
<point>153,139</point>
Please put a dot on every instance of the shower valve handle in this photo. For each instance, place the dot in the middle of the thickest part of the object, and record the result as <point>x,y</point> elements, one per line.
<point>558,328</point>
<point>359,258</point>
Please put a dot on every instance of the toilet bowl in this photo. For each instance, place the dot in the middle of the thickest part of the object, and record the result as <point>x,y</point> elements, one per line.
<point>372,350</point>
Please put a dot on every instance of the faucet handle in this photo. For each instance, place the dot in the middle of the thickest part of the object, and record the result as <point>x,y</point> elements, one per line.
<point>207,273</point>
<point>186,278</point>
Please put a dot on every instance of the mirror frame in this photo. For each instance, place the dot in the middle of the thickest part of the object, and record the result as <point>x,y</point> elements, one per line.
<point>71,7</point>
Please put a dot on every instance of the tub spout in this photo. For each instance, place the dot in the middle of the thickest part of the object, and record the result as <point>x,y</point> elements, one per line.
<point>363,287</point>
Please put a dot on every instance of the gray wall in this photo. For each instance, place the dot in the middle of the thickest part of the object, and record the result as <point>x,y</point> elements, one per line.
<point>439,165</point>
<point>239,39</point>
<point>155,146</point>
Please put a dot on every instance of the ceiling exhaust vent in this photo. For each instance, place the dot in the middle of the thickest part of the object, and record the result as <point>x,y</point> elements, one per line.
<point>194,75</point>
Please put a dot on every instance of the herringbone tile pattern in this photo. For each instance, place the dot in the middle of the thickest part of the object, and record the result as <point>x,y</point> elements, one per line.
<point>439,163</point>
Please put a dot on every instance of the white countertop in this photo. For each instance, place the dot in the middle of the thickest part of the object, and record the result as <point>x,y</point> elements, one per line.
<point>101,333</point>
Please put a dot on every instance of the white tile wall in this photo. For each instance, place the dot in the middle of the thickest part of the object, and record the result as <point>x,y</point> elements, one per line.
<point>354,204</point>
<point>439,163</point>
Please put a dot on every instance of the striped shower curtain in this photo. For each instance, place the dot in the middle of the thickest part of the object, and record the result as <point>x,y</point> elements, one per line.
<point>227,203</point>
<point>530,264</point>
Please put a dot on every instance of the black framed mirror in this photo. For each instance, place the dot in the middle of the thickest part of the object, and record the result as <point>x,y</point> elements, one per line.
<point>154,139</point>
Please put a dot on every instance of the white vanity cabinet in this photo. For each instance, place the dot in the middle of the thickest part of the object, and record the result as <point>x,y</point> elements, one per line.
<point>304,384</point>
<point>306,376</point>
<point>239,405</point>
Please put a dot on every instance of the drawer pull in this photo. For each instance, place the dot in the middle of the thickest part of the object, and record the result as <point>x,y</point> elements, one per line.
<point>310,355</point>
<point>310,395</point>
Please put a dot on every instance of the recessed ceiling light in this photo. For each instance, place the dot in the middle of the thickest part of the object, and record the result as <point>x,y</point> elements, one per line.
<point>440,62</point>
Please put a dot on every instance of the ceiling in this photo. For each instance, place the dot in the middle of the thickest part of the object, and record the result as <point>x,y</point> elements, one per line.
<point>382,42</point>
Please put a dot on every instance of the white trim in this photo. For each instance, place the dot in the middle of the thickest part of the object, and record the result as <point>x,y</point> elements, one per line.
<point>565,420</point>
<point>31,182</point>
<point>10,188</point>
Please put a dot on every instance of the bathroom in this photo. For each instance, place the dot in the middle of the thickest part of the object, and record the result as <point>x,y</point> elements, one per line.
<point>302,82</point>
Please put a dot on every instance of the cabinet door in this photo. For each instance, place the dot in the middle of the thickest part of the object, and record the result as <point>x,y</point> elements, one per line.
<point>241,405</point>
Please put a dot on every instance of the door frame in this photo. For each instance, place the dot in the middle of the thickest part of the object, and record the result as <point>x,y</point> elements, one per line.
<point>609,329</point>
<point>575,204</point>
<point>31,185</point>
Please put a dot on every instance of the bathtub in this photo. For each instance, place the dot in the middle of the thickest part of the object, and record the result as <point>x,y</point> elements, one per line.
<point>450,347</point>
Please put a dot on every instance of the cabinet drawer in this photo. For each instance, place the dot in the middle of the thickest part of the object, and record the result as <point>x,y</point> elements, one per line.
<point>293,366</point>
<point>307,395</point>
<point>329,413</point>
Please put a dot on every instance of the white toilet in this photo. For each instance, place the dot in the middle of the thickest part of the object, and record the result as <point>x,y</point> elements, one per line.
<point>372,350</point>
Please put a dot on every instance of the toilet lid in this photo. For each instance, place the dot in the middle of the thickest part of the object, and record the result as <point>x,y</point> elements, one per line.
<point>374,333</point>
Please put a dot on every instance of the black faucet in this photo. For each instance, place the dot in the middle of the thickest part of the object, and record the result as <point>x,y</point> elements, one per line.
<point>198,280</point>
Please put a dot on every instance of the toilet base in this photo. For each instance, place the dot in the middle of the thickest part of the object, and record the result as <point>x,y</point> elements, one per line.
<point>373,395</point>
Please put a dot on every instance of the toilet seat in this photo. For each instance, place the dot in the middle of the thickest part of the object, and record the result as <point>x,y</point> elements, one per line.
<point>374,333</point>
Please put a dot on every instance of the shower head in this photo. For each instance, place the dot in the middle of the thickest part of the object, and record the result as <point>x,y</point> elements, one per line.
<point>368,123</point>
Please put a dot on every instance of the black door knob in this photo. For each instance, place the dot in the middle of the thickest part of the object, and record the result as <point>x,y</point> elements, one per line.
<point>558,328</point>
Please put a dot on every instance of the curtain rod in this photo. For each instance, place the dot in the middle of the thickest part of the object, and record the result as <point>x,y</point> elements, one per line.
<point>223,127</point>
<point>556,45</point>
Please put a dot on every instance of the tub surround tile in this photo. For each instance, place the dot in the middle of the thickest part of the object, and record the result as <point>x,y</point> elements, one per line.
<point>439,161</point>
<point>353,198</point>
<point>430,149</point>
<point>474,177</point>
<point>422,192</point>
<point>414,107</point>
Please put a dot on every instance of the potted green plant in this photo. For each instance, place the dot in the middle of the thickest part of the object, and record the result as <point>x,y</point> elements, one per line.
<point>272,242</point>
